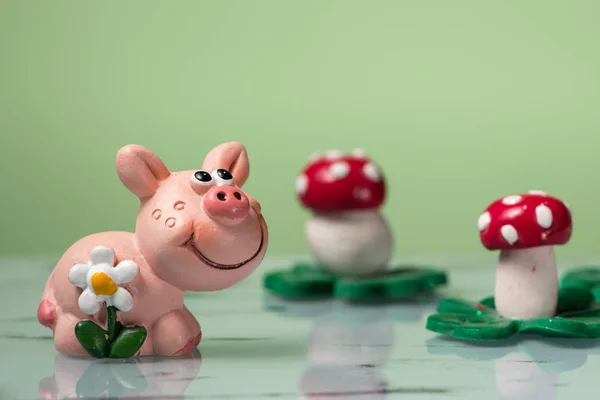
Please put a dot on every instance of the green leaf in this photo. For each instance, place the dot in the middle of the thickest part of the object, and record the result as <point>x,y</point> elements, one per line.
<point>469,327</point>
<point>574,298</point>
<point>300,282</point>
<point>92,337</point>
<point>460,306</point>
<point>556,327</point>
<point>128,342</point>
<point>584,277</point>
<point>398,283</point>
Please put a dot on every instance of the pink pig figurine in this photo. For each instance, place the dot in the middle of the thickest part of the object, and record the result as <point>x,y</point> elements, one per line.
<point>195,231</point>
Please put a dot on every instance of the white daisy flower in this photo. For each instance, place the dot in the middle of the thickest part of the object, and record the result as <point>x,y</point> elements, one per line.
<point>99,279</point>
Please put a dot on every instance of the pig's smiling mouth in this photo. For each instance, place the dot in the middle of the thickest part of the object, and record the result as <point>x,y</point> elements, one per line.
<point>217,265</point>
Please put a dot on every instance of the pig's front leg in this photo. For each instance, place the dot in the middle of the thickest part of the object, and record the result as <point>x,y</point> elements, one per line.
<point>173,336</point>
<point>65,340</point>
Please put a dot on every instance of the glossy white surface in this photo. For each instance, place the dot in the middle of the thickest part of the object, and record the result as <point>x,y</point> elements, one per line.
<point>257,347</point>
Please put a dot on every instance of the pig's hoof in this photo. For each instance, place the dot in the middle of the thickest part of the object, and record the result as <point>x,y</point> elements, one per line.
<point>47,388</point>
<point>46,314</point>
<point>577,317</point>
<point>305,282</point>
<point>189,347</point>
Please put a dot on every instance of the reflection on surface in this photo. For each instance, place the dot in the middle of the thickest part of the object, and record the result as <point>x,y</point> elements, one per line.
<point>348,345</point>
<point>346,349</point>
<point>524,369</point>
<point>144,377</point>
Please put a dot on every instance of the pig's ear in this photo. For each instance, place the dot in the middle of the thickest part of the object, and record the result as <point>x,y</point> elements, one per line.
<point>231,156</point>
<point>140,170</point>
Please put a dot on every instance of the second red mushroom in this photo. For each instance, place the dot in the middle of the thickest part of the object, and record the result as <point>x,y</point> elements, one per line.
<point>525,228</point>
<point>346,232</point>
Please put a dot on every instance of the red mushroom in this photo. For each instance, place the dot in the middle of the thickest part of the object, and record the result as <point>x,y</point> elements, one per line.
<point>347,233</point>
<point>340,182</point>
<point>524,228</point>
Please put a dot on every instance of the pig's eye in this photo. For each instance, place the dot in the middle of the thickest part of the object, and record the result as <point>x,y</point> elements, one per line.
<point>223,176</point>
<point>202,178</point>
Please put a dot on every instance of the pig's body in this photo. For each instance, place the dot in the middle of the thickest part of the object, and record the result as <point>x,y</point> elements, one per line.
<point>180,232</point>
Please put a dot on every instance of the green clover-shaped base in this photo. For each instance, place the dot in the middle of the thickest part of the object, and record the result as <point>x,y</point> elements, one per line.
<point>578,316</point>
<point>308,282</point>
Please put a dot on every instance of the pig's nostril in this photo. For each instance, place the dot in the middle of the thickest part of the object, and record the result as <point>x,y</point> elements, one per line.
<point>221,196</point>
<point>237,195</point>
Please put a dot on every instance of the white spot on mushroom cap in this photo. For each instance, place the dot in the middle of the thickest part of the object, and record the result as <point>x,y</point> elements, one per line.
<point>509,233</point>
<point>301,184</point>
<point>484,221</point>
<point>538,192</point>
<point>333,154</point>
<point>371,171</point>
<point>359,153</point>
<point>339,170</point>
<point>543,216</point>
<point>314,156</point>
<point>511,200</point>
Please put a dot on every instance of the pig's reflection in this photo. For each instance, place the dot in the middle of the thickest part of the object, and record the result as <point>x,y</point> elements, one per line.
<point>145,377</point>
<point>348,345</point>
<point>524,369</point>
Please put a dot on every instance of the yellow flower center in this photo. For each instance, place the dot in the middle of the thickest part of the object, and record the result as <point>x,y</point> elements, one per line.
<point>103,285</point>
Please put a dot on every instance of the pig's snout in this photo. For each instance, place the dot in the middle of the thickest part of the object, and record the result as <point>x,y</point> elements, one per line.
<point>227,202</point>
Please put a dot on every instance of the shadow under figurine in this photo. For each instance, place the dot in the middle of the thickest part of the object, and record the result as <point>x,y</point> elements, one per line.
<point>527,297</point>
<point>348,236</point>
<point>196,231</point>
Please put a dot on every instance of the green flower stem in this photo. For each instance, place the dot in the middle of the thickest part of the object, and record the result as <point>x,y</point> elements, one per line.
<point>112,323</point>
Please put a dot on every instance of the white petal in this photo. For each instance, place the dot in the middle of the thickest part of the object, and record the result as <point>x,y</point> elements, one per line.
<point>125,272</point>
<point>371,171</point>
<point>88,302</point>
<point>509,233</point>
<point>123,300</point>
<point>538,192</point>
<point>339,170</point>
<point>544,217</point>
<point>301,184</point>
<point>484,221</point>
<point>102,255</point>
<point>511,200</point>
<point>78,275</point>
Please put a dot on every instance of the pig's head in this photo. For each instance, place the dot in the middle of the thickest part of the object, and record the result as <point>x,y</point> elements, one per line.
<point>197,229</point>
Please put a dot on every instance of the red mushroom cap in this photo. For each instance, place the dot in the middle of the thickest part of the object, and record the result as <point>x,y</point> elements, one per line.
<point>524,221</point>
<point>341,182</point>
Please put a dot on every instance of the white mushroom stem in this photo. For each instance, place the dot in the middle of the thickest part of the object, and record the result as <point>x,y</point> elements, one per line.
<point>527,283</point>
<point>351,243</point>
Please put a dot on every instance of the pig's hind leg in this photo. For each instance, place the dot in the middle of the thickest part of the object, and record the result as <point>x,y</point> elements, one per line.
<point>172,335</point>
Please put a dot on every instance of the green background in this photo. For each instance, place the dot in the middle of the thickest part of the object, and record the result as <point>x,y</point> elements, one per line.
<point>460,102</point>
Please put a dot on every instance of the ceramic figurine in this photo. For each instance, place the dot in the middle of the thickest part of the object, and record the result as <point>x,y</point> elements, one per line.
<point>348,236</point>
<point>527,297</point>
<point>195,231</point>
